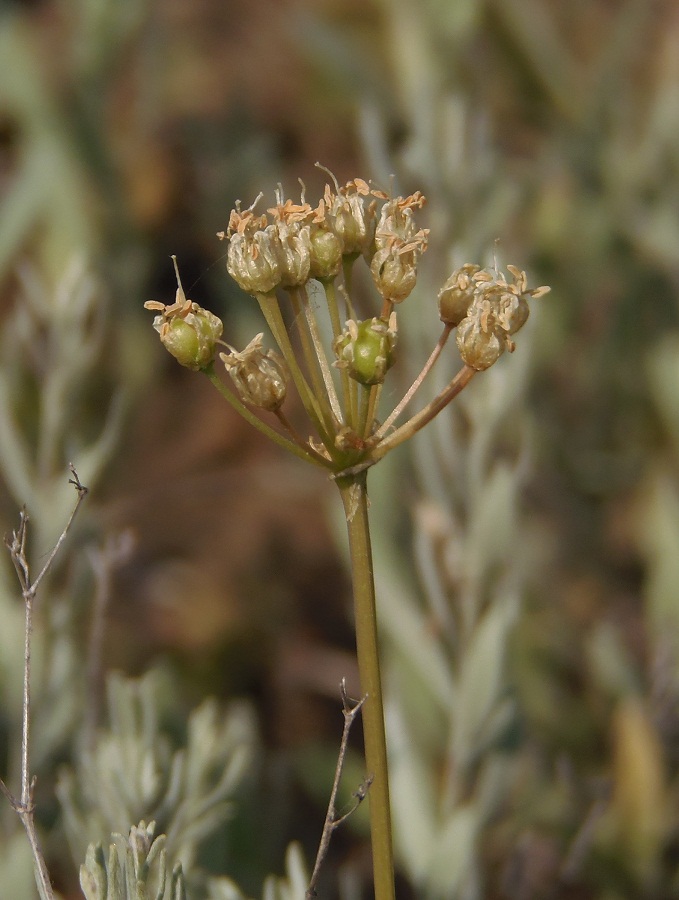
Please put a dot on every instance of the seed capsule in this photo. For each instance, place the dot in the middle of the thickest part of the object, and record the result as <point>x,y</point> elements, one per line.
<point>479,348</point>
<point>253,262</point>
<point>189,332</point>
<point>367,349</point>
<point>457,294</point>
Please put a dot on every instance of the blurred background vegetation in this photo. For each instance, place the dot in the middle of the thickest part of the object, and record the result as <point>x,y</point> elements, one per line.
<point>527,548</point>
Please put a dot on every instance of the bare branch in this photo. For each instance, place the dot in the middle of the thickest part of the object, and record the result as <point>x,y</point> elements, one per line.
<point>10,796</point>
<point>24,806</point>
<point>82,492</point>
<point>350,709</point>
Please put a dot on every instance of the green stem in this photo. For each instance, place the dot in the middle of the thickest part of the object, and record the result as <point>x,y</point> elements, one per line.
<point>355,499</point>
<point>333,309</point>
<point>373,400</point>
<point>424,416</point>
<point>307,454</point>
<point>314,331</point>
<point>268,303</point>
<point>428,366</point>
<point>364,409</point>
<point>314,354</point>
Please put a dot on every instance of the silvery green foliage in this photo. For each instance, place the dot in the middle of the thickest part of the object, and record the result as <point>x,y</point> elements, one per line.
<point>50,346</point>
<point>291,887</point>
<point>450,705</point>
<point>134,868</point>
<point>134,771</point>
<point>52,341</point>
<point>16,865</point>
<point>68,321</point>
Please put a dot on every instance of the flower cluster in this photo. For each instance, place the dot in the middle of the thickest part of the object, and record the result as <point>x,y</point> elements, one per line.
<point>301,242</point>
<point>487,310</point>
<point>339,377</point>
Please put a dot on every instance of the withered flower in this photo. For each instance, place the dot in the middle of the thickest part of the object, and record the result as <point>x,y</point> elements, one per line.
<point>498,309</point>
<point>260,377</point>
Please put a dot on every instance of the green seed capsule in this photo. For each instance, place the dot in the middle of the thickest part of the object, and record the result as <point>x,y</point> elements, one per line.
<point>367,349</point>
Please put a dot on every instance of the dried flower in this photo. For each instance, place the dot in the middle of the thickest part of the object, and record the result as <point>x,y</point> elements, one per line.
<point>394,268</point>
<point>251,259</point>
<point>352,220</point>
<point>189,332</point>
<point>293,247</point>
<point>457,294</point>
<point>396,220</point>
<point>260,377</point>
<point>294,254</point>
<point>498,309</point>
<point>397,247</point>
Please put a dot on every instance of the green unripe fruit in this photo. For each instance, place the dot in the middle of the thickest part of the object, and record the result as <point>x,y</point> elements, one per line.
<point>367,349</point>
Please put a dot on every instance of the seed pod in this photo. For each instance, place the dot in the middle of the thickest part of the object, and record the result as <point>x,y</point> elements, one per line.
<point>479,347</point>
<point>253,261</point>
<point>457,294</point>
<point>367,349</point>
<point>191,340</point>
<point>394,274</point>
<point>189,332</point>
<point>326,253</point>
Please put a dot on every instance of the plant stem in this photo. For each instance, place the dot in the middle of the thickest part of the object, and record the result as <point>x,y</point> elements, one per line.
<point>23,805</point>
<point>436,352</point>
<point>424,416</point>
<point>333,310</point>
<point>315,335</point>
<point>332,819</point>
<point>355,499</point>
<point>322,418</point>
<point>305,453</point>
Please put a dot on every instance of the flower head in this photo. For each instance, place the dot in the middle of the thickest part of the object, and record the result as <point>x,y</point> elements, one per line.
<point>251,259</point>
<point>189,332</point>
<point>351,217</point>
<point>495,310</point>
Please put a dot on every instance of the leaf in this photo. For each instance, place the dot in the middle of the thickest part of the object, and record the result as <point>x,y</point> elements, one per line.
<point>481,682</point>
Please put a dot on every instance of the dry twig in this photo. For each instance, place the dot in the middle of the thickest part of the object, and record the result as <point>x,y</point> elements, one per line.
<point>23,804</point>
<point>350,710</point>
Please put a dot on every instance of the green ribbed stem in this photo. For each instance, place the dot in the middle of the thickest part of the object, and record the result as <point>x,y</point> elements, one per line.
<point>355,499</point>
